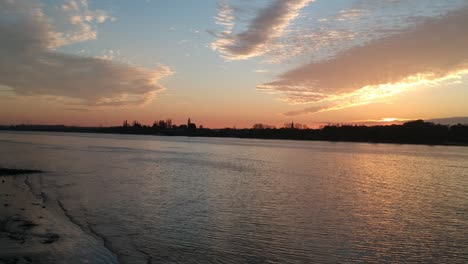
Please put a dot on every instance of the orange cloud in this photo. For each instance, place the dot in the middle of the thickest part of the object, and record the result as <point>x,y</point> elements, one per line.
<point>432,51</point>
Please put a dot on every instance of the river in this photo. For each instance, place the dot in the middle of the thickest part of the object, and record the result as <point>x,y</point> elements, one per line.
<point>219,200</point>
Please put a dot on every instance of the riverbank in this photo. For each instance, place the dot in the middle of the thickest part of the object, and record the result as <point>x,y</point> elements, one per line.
<point>35,230</point>
<point>414,132</point>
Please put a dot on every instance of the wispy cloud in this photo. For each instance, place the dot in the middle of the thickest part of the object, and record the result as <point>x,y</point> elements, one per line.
<point>433,50</point>
<point>268,24</point>
<point>30,66</point>
<point>350,14</point>
<point>225,18</point>
<point>75,22</point>
<point>316,36</point>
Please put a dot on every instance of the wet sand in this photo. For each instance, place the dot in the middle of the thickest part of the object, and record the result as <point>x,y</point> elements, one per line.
<point>33,230</point>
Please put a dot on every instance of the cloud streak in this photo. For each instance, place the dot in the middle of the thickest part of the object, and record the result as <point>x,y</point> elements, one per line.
<point>29,66</point>
<point>433,50</point>
<point>268,24</point>
<point>78,21</point>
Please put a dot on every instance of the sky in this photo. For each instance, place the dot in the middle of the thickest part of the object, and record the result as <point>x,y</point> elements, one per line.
<point>232,63</point>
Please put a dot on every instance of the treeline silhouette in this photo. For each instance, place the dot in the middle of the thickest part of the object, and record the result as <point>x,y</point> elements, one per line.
<point>413,132</point>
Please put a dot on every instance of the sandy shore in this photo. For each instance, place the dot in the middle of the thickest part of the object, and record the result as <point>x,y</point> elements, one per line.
<point>33,230</point>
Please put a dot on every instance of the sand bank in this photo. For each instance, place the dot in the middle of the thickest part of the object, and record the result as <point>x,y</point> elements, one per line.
<point>33,230</point>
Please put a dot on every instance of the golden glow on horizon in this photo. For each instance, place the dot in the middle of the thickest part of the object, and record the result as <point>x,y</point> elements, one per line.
<point>383,92</point>
<point>389,119</point>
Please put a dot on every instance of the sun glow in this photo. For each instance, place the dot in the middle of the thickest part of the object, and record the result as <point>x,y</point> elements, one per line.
<point>389,119</point>
<point>376,93</point>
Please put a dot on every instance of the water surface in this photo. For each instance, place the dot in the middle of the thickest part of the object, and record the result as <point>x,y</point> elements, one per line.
<point>201,200</point>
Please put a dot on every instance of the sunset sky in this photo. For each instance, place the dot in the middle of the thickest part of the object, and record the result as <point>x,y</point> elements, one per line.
<point>232,62</point>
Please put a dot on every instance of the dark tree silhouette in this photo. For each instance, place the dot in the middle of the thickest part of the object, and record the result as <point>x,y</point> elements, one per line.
<point>413,132</point>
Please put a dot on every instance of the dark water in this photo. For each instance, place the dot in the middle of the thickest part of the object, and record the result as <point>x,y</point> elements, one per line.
<point>199,200</point>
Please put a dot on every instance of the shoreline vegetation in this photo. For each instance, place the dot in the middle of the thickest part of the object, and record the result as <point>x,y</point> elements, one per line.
<point>413,132</point>
<point>35,229</point>
<point>12,172</point>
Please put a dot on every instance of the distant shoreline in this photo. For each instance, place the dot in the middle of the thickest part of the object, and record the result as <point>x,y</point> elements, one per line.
<point>12,172</point>
<point>414,133</point>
